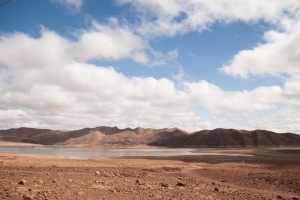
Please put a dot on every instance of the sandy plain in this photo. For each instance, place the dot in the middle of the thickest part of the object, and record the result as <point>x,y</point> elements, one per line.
<point>269,174</point>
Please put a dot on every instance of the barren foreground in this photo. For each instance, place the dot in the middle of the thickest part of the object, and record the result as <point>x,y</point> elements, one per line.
<point>270,174</point>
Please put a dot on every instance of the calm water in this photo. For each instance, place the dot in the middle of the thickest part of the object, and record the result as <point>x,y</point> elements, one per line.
<point>82,153</point>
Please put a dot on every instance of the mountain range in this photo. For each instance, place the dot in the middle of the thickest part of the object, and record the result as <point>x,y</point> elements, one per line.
<point>146,137</point>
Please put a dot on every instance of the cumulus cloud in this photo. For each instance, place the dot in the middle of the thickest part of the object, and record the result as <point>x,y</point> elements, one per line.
<point>174,16</point>
<point>110,41</point>
<point>279,55</point>
<point>49,81</point>
<point>44,84</point>
<point>281,120</point>
<point>87,95</point>
<point>19,50</point>
<point>100,42</point>
<point>219,101</point>
<point>69,93</point>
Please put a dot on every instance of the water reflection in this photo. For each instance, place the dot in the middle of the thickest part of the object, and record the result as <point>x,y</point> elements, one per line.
<point>85,153</point>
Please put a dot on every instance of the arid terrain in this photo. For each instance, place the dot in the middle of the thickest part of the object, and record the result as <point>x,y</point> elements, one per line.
<point>269,174</point>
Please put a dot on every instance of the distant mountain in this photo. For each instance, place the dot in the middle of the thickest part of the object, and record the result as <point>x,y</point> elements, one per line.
<point>114,137</point>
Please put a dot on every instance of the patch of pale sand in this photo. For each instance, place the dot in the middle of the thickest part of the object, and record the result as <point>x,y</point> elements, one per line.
<point>16,144</point>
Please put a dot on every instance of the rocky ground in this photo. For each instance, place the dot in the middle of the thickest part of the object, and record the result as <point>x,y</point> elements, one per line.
<point>270,174</point>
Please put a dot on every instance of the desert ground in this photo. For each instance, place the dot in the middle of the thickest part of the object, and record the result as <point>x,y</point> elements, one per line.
<point>269,174</point>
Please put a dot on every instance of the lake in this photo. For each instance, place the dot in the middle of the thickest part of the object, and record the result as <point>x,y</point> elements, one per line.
<point>86,153</point>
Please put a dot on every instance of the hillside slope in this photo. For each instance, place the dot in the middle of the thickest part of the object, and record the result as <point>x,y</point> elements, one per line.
<point>114,137</point>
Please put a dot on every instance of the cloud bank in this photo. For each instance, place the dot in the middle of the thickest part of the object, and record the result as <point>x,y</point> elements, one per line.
<point>49,81</point>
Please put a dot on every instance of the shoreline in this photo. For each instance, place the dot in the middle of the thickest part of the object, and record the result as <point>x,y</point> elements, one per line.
<point>87,146</point>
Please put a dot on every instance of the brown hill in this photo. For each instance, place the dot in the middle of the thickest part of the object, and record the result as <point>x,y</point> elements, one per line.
<point>223,138</point>
<point>22,134</point>
<point>114,137</point>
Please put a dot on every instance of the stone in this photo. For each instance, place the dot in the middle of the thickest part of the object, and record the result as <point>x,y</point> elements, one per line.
<point>164,184</point>
<point>279,197</point>
<point>22,182</point>
<point>27,197</point>
<point>139,182</point>
<point>181,184</point>
<point>97,173</point>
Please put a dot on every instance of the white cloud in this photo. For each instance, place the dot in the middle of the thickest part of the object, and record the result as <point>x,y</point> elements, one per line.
<point>110,41</point>
<point>57,90</point>
<point>292,90</point>
<point>279,55</point>
<point>87,95</point>
<point>101,42</point>
<point>219,101</point>
<point>281,120</point>
<point>73,6</point>
<point>19,50</point>
<point>51,88</point>
<point>49,82</point>
<point>173,17</point>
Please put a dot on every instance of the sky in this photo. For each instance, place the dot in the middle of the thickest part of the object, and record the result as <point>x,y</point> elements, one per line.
<point>191,64</point>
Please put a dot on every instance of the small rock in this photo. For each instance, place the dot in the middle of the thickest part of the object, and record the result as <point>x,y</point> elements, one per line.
<point>41,181</point>
<point>181,184</point>
<point>70,180</point>
<point>139,182</point>
<point>22,182</point>
<point>27,197</point>
<point>279,197</point>
<point>164,185</point>
<point>149,186</point>
<point>97,173</point>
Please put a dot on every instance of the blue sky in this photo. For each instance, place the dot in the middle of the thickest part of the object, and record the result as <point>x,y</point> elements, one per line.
<point>68,64</point>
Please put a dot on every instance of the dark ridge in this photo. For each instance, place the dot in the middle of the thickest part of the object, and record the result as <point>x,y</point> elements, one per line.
<point>167,137</point>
